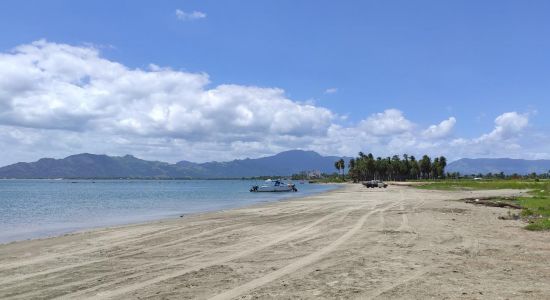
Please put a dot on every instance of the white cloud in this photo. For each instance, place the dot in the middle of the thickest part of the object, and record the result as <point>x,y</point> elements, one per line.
<point>331,91</point>
<point>507,126</point>
<point>189,16</point>
<point>57,100</point>
<point>391,121</point>
<point>73,88</point>
<point>55,86</point>
<point>442,130</point>
<point>505,140</point>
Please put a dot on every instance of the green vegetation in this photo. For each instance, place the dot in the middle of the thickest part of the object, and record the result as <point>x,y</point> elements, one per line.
<point>366,167</point>
<point>318,177</point>
<point>328,179</point>
<point>483,184</point>
<point>501,175</point>
<point>539,225</point>
<point>536,208</point>
<point>340,165</point>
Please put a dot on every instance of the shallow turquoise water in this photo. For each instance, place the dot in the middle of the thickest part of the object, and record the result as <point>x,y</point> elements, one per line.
<point>40,208</point>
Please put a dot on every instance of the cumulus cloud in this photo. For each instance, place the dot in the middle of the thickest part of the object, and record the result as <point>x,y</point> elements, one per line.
<point>503,141</point>
<point>507,126</point>
<point>441,130</point>
<point>53,86</point>
<point>58,99</point>
<point>389,122</point>
<point>47,85</point>
<point>189,16</point>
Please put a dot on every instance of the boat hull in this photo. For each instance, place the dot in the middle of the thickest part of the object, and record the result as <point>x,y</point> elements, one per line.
<point>274,188</point>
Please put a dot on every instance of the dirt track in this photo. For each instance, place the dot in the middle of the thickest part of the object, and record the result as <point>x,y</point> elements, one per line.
<point>350,243</point>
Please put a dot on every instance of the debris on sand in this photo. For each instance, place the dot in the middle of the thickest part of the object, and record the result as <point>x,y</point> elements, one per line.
<point>493,202</point>
<point>510,216</point>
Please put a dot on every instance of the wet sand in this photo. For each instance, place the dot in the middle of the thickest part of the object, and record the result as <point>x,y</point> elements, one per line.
<point>354,242</point>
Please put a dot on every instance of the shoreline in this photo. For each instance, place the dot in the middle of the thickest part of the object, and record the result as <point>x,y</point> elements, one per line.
<point>151,219</point>
<point>350,242</point>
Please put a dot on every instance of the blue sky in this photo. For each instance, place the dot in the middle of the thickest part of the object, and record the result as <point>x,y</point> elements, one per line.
<point>430,60</point>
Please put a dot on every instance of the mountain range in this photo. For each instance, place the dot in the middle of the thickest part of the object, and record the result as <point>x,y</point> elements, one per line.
<point>496,165</point>
<point>286,163</point>
<point>87,165</point>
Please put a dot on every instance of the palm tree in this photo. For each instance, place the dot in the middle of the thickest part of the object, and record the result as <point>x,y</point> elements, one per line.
<point>395,167</point>
<point>352,170</point>
<point>425,166</point>
<point>367,167</point>
<point>442,164</point>
<point>342,166</point>
<point>380,168</point>
<point>370,167</point>
<point>405,169</point>
<point>435,168</point>
<point>351,165</point>
<point>415,170</point>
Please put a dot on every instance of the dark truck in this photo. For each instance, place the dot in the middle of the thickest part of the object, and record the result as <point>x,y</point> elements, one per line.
<point>375,184</point>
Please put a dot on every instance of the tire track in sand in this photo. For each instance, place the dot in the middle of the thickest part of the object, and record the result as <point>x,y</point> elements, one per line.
<point>132,287</point>
<point>11,279</point>
<point>177,262</point>
<point>409,276</point>
<point>299,263</point>
<point>5,282</point>
<point>142,236</point>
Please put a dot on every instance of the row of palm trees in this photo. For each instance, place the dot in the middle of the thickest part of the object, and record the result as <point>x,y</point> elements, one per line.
<point>366,167</point>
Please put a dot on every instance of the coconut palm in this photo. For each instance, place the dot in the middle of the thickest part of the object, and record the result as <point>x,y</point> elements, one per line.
<point>337,166</point>
<point>442,165</point>
<point>342,166</point>
<point>366,167</point>
<point>415,169</point>
<point>425,167</point>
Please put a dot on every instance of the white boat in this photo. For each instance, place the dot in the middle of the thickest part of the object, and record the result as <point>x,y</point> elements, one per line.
<point>274,186</point>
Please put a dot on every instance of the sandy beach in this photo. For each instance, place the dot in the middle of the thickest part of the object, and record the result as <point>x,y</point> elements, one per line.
<point>353,242</point>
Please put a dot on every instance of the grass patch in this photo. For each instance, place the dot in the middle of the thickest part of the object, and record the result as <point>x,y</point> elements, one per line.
<point>535,209</point>
<point>328,180</point>
<point>539,225</point>
<point>485,184</point>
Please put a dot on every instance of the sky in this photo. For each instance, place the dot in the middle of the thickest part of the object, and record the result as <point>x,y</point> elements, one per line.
<point>203,80</point>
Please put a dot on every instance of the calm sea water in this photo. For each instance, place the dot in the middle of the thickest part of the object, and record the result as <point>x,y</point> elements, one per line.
<point>40,208</point>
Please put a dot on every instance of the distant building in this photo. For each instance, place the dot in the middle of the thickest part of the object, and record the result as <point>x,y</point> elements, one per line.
<point>314,174</point>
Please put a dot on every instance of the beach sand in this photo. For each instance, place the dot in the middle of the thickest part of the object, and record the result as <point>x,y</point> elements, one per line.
<point>353,242</point>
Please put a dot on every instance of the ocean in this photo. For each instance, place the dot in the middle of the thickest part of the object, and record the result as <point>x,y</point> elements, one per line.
<point>42,208</point>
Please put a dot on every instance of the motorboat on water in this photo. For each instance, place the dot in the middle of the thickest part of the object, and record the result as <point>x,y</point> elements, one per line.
<point>274,186</point>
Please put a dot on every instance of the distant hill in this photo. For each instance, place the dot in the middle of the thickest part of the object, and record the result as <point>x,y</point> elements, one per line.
<point>102,166</point>
<point>89,166</point>
<point>497,165</point>
<point>282,164</point>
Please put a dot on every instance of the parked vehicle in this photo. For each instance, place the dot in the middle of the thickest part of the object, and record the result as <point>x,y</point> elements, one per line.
<point>375,184</point>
